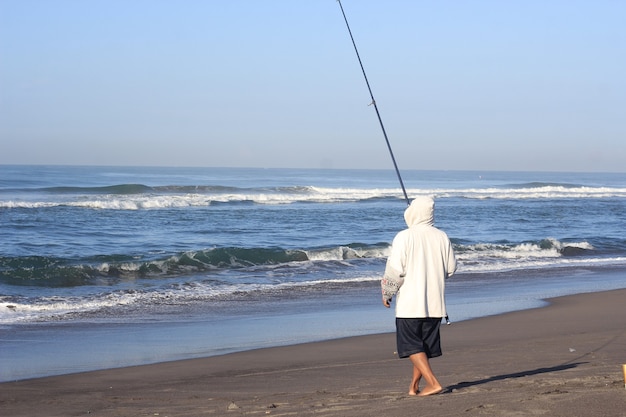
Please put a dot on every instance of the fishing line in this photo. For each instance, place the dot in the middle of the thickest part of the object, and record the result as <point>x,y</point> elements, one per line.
<point>380,120</point>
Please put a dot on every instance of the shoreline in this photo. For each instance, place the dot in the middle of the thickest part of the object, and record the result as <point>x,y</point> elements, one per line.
<point>561,359</point>
<point>36,351</point>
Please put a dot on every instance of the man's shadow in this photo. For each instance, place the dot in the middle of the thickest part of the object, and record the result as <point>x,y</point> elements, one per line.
<point>521,374</point>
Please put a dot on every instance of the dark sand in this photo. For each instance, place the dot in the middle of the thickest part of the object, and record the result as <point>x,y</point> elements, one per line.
<point>561,360</point>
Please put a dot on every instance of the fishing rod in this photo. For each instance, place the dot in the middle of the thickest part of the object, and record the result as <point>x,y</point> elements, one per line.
<point>380,120</point>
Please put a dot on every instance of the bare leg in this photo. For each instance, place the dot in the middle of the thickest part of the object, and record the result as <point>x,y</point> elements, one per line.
<point>415,382</point>
<point>420,361</point>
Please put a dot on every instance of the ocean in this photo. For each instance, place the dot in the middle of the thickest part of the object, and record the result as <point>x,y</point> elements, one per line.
<point>106,267</point>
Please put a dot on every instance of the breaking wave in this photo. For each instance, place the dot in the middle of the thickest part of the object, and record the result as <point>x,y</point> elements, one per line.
<point>138,196</point>
<point>41,271</point>
<point>105,284</point>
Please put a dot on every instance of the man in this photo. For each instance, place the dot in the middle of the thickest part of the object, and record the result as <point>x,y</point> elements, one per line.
<point>421,259</point>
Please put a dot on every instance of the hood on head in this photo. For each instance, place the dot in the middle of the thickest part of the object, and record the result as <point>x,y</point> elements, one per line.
<point>421,211</point>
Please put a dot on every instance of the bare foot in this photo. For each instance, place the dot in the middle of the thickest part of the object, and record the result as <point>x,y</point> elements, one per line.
<point>414,389</point>
<point>430,390</point>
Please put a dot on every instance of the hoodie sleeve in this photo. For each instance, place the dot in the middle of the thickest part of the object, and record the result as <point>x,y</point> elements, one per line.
<point>451,264</point>
<point>391,282</point>
<point>393,277</point>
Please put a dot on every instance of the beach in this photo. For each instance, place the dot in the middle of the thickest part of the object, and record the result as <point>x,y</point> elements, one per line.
<point>561,360</point>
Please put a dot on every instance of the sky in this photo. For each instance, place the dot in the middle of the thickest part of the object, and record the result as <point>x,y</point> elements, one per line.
<point>519,85</point>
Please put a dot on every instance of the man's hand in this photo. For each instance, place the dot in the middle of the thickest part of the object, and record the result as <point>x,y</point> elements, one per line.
<point>386,302</point>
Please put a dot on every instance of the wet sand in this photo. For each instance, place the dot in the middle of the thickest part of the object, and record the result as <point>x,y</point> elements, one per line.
<point>561,360</point>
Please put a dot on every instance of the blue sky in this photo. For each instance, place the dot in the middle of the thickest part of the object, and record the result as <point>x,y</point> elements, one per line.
<point>479,85</point>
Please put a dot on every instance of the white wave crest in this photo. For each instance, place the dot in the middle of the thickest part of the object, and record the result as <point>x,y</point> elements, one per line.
<point>310,194</point>
<point>500,257</point>
<point>344,253</point>
<point>59,308</point>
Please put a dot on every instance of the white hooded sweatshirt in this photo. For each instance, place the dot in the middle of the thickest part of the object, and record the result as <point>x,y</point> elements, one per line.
<point>421,259</point>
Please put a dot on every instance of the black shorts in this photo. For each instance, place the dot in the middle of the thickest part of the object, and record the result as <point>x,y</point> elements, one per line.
<point>418,335</point>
